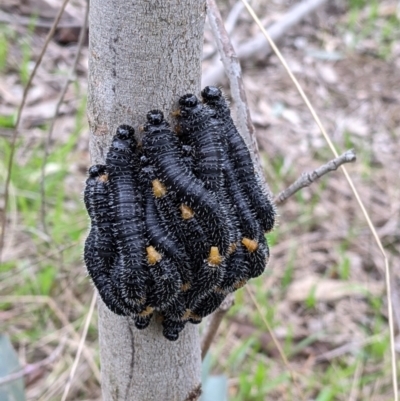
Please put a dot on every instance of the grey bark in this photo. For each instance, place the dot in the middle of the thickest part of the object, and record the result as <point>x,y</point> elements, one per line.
<point>143,55</point>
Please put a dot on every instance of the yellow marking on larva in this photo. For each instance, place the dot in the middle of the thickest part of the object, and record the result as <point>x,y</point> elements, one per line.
<point>148,311</point>
<point>214,258</point>
<point>240,284</point>
<point>232,248</point>
<point>178,130</point>
<point>220,291</point>
<point>152,255</point>
<point>187,212</point>
<point>250,244</point>
<point>159,189</point>
<point>103,178</point>
<point>185,287</point>
<point>176,113</point>
<point>190,315</point>
<point>195,317</point>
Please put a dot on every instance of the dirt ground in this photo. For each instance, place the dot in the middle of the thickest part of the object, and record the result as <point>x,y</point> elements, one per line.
<point>324,292</point>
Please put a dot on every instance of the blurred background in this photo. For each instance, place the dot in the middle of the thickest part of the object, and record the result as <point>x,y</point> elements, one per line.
<point>323,292</point>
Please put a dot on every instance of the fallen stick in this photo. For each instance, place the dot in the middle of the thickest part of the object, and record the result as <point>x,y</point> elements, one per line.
<point>257,45</point>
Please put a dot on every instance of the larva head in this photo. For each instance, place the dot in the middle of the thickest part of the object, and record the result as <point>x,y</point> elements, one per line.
<point>155,122</point>
<point>188,104</point>
<point>142,322</point>
<point>188,100</point>
<point>124,139</point>
<point>97,170</point>
<point>155,117</point>
<point>213,97</point>
<point>211,93</point>
<point>125,132</point>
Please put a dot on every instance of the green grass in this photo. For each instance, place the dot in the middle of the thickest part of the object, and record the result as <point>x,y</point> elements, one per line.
<point>26,50</point>
<point>364,22</point>
<point>51,264</point>
<point>65,216</point>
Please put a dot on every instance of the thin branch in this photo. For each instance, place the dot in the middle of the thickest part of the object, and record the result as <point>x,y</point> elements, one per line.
<point>245,127</point>
<point>213,323</point>
<point>257,46</point>
<point>234,72</point>
<point>18,120</point>
<point>81,347</point>
<point>82,36</point>
<point>307,179</point>
<point>229,24</point>
<point>304,180</point>
<point>33,367</point>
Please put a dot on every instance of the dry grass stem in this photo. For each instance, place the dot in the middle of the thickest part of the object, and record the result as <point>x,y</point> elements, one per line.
<point>322,293</point>
<point>276,343</point>
<point>18,120</point>
<point>82,36</point>
<point>353,188</point>
<point>356,380</point>
<point>63,319</point>
<point>81,346</point>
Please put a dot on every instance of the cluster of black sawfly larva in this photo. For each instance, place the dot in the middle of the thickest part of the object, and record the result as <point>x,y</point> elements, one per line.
<point>178,222</point>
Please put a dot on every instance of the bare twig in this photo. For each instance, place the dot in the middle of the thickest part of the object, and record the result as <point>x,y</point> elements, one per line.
<point>213,324</point>
<point>304,180</point>
<point>307,179</point>
<point>354,190</point>
<point>234,72</point>
<point>230,24</point>
<point>257,46</point>
<point>18,120</point>
<point>32,367</point>
<point>81,347</point>
<point>82,36</point>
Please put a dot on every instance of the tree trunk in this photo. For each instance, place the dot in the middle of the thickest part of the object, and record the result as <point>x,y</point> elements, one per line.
<point>144,54</point>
